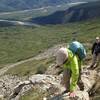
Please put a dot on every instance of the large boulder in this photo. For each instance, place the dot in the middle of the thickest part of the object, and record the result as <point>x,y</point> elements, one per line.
<point>12,87</point>
<point>52,84</point>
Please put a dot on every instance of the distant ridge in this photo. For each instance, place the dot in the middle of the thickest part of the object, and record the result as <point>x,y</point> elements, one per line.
<point>13,5</point>
<point>76,13</point>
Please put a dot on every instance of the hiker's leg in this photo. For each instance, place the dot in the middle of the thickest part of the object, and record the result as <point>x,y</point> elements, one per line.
<point>80,83</point>
<point>98,60</point>
<point>66,79</point>
<point>94,59</point>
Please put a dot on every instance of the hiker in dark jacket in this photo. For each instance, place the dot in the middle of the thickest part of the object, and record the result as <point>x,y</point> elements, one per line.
<point>96,53</point>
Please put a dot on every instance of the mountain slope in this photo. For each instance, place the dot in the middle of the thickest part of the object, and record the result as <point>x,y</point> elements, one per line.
<point>76,13</point>
<point>12,5</point>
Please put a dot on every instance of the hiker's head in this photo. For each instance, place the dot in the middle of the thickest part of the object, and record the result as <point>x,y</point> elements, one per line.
<point>97,39</point>
<point>61,56</point>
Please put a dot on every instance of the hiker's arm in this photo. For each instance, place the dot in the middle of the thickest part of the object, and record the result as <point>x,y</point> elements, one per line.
<point>75,73</point>
<point>93,47</point>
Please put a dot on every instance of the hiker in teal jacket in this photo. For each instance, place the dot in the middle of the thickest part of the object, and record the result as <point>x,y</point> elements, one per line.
<point>71,70</point>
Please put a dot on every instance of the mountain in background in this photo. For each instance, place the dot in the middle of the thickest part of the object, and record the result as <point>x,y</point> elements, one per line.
<point>76,13</point>
<point>13,5</point>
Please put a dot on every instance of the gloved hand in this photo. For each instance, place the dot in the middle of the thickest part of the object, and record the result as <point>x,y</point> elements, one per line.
<point>72,94</point>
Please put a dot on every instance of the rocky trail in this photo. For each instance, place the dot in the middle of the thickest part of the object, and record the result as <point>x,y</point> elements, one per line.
<point>13,87</point>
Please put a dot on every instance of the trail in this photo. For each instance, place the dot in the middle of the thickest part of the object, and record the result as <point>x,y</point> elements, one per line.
<point>46,54</point>
<point>20,23</point>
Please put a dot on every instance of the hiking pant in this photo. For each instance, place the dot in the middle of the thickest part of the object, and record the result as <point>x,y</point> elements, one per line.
<point>95,60</point>
<point>66,80</point>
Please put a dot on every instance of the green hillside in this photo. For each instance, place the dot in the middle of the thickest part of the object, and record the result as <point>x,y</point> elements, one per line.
<point>19,43</point>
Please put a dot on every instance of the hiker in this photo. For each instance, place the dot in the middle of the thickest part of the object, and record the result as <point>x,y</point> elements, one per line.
<point>71,61</point>
<point>95,53</point>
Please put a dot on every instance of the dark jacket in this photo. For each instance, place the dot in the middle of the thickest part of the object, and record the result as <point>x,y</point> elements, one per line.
<point>96,48</point>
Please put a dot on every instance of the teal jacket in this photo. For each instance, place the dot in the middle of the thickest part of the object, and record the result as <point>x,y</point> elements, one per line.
<point>74,64</point>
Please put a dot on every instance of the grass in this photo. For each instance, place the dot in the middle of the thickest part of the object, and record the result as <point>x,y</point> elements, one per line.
<point>31,67</point>
<point>25,42</point>
<point>19,42</point>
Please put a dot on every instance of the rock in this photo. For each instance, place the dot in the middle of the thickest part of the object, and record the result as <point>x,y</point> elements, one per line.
<point>44,98</point>
<point>80,95</point>
<point>7,84</point>
<point>52,70</point>
<point>1,97</point>
<point>49,83</point>
<point>89,78</point>
<point>18,88</point>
